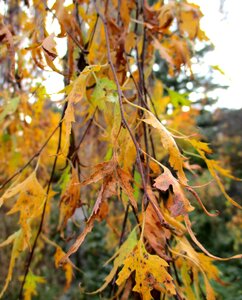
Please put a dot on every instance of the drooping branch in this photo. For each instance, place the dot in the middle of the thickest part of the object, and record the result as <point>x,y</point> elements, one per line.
<point>32,158</point>
<point>125,123</point>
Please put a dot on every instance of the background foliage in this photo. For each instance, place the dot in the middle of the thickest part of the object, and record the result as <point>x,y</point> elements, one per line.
<point>101,168</point>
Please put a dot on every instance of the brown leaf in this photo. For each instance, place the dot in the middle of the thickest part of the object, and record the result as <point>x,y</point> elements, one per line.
<point>7,37</point>
<point>154,232</point>
<point>101,212</point>
<point>101,170</point>
<point>70,200</point>
<point>48,45</point>
<point>178,204</point>
<point>124,178</point>
<point>164,52</point>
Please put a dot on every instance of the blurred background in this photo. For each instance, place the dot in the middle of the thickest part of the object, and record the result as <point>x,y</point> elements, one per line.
<point>214,90</point>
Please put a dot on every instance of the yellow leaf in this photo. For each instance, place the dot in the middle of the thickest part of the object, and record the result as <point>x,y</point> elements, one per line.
<point>29,203</point>
<point>214,167</point>
<point>30,286</point>
<point>217,68</point>
<point>150,273</point>
<point>77,92</point>
<point>19,246</point>
<point>120,255</point>
<point>195,262</point>
<point>200,146</point>
<point>176,160</point>
<point>189,20</point>
<point>67,266</point>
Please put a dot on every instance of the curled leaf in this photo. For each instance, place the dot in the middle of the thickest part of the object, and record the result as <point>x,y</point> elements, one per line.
<point>178,204</point>
<point>176,160</point>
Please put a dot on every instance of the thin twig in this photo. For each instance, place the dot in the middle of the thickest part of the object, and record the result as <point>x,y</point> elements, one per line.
<point>86,130</point>
<point>121,240</point>
<point>31,159</point>
<point>125,123</point>
<point>28,263</point>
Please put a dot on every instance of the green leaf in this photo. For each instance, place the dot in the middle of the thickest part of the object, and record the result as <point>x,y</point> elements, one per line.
<point>178,99</point>
<point>119,258</point>
<point>105,90</point>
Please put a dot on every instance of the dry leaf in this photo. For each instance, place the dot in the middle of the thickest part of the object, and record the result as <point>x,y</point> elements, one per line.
<point>178,204</point>
<point>150,273</point>
<point>176,160</point>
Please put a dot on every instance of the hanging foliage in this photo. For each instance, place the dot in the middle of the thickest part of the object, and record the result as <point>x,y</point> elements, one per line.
<point>115,147</point>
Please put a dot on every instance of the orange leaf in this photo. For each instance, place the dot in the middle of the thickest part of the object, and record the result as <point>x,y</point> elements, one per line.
<point>178,204</point>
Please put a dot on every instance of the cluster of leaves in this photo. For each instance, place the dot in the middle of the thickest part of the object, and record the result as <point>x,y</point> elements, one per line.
<point>112,151</point>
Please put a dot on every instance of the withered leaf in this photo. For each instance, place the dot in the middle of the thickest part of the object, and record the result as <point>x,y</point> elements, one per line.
<point>176,159</point>
<point>178,204</point>
<point>70,200</point>
<point>150,273</point>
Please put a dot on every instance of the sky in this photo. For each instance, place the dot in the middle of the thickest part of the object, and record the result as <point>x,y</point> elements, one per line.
<point>222,26</point>
<point>223,29</point>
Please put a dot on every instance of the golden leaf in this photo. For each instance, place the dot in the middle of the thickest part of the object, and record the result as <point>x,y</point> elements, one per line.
<point>189,18</point>
<point>30,203</point>
<point>150,273</point>
<point>67,266</point>
<point>19,245</point>
<point>176,160</point>
<point>119,256</point>
<point>76,93</point>
<point>214,168</point>
<point>195,262</point>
